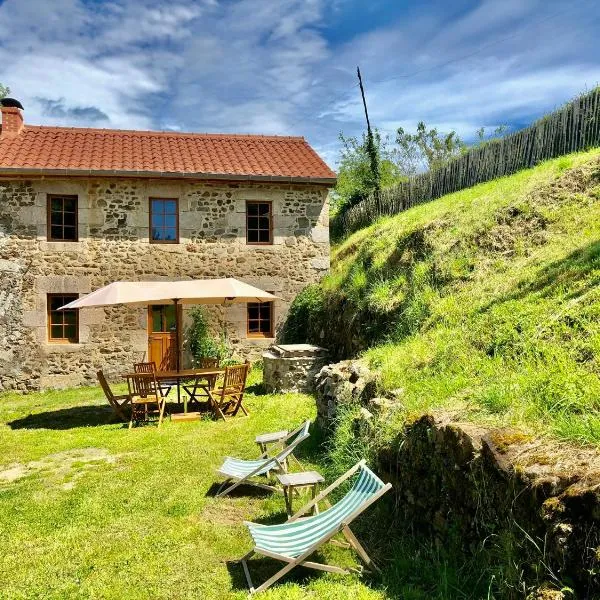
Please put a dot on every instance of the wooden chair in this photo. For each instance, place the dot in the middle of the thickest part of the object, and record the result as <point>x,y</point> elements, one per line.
<point>147,398</point>
<point>227,400</point>
<point>198,386</point>
<point>118,403</point>
<point>144,367</point>
<point>150,367</point>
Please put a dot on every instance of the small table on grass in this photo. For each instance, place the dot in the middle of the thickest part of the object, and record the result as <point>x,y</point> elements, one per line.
<point>270,438</point>
<point>296,481</point>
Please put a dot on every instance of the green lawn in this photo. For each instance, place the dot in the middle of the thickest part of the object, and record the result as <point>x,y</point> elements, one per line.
<point>89,509</point>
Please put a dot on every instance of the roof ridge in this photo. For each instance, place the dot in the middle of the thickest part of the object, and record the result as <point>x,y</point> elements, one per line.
<point>149,132</point>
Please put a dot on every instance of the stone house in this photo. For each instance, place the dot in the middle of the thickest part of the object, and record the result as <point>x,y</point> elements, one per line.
<point>80,208</point>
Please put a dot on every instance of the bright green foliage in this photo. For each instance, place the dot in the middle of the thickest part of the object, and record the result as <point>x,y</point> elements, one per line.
<point>434,148</point>
<point>202,343</point>
<point>572,128</point>
<point>356,179</point>
<point>485,301</point>
<point>306,312</point>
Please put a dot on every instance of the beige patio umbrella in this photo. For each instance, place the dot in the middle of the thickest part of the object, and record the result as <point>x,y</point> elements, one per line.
<point>192,291</point>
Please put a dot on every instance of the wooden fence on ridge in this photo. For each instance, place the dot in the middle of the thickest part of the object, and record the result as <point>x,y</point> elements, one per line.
<point>576,126</point>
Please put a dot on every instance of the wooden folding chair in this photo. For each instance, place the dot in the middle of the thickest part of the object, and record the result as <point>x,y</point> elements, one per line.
<point>199,385</point>
<point>118,403</point>
<point>150,367</point>
<point>240,471</point>
<point>227,400</point>
<point>294,541</point>
<point>144,367</point>
<point>146,398</point>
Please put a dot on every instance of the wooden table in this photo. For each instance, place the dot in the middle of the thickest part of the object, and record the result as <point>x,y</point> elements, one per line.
<point>179,376</point>
<point>295,481</point>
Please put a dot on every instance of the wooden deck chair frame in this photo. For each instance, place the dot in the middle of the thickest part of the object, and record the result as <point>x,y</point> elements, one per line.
<point>227,400</point>
<point>343,528</point>
<point>118,403</point>
<point>283,441</point>
<point>279,462</point>
<point>144,390</point>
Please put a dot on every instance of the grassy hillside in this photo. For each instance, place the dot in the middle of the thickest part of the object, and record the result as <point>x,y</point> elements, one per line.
<point>485,301</point>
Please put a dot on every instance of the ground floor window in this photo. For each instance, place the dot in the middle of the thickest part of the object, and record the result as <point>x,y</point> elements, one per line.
<point>260,319</point>
<point>63,325</point>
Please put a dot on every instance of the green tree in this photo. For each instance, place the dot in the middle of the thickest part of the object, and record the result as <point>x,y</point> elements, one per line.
<point>428,148</point>
<point>4,91</point>
<point>356,176</point>
<point>496,133</point>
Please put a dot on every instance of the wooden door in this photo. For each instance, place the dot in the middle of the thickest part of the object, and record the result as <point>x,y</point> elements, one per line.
<point>162,322</point>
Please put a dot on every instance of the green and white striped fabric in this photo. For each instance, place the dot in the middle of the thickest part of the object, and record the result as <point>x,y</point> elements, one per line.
<point>293,539</point>
<point>240,468</point>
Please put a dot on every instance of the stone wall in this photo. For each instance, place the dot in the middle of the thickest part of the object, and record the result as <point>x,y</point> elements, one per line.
<point>292,367</point>
<point>114,245</point>
<point>532,502</point>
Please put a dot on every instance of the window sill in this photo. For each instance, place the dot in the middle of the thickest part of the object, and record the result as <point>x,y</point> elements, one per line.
<point>61,348</point>
<point>62,245</point>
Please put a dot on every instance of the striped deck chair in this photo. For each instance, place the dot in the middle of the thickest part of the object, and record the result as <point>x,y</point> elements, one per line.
<point>278,440</point>
<point>294,541</point>
<point>242,471</point>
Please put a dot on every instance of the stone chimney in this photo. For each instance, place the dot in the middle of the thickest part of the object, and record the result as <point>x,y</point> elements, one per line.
<point>12,118</point>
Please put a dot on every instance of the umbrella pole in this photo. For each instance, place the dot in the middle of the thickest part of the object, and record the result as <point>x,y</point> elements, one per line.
<point>177,348</point>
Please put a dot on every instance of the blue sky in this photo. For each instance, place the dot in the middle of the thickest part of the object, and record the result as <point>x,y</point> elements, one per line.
<point>289,66</point>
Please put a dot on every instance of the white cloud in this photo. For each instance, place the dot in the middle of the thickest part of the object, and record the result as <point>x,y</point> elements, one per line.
<point>268,67</point>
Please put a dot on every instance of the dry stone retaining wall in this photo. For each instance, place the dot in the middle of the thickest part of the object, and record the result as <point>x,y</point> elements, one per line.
<point>483,486</point>
<point>114,245</point>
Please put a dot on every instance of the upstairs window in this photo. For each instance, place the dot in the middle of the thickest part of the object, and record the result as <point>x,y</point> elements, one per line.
<point>260,319</point>
<point>259,223</point>
<point>62,218</point>
<point>63,325</point>
<point>164,221</point>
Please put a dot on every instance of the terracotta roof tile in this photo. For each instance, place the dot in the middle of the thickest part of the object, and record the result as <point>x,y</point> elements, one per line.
<point>202,154</point>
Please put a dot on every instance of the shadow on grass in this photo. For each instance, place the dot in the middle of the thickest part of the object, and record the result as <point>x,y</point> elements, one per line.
<point>67,418</point>
<point>572,277</point>
<point>312,449</point>
<point>242,491</point>
<point>262,568</point>
<point>257,389</point>
<point>276,518</point>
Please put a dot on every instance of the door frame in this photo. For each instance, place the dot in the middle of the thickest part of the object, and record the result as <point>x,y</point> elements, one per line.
<point>150,332</point>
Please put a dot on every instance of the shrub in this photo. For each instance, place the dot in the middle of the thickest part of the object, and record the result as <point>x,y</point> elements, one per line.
<point>202,343</point>
<point>304,316</point>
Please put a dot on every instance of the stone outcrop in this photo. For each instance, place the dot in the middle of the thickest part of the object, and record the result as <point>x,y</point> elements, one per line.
<point>114,245</point>
<point>455,480</point>
<point>292,367</point>
<point>342,383</point>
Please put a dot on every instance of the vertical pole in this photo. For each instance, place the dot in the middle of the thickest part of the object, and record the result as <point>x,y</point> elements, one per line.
<point>370,140</point>
<point>362,93</point>
<point>177,348</point>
